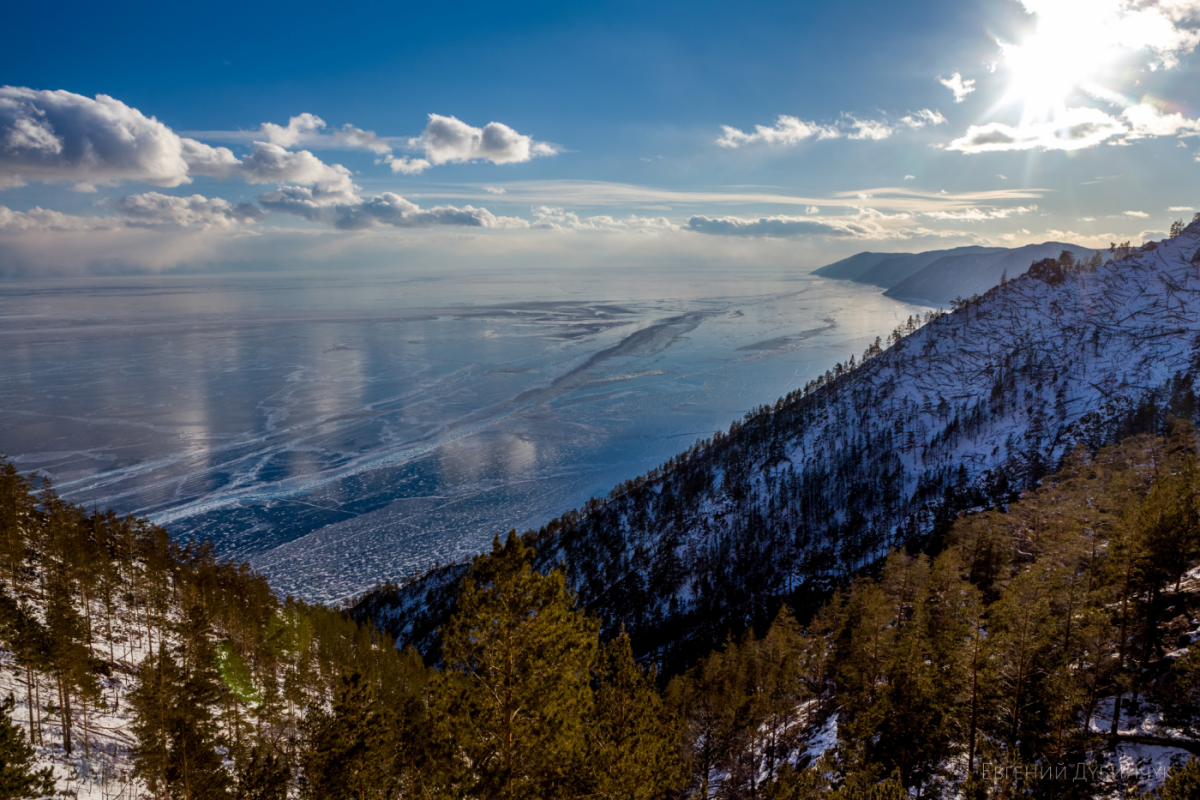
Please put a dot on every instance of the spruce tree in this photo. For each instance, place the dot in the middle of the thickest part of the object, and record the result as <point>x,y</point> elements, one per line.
<point>19,779</point>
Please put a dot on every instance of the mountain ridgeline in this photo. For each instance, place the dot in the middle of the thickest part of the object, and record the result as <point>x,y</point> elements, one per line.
<point>962,410</point>
<point>938,277</point>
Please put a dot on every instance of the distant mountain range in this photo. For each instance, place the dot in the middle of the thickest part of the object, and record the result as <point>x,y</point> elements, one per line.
<point>938,276</point>
<point>963,411</point>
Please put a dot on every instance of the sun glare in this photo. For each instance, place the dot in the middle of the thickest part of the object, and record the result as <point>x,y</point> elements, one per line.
<point>1073,43</point>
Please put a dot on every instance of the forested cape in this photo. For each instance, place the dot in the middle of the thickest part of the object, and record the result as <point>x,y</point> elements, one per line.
<point>1040,649</point>
<point>954,411</point>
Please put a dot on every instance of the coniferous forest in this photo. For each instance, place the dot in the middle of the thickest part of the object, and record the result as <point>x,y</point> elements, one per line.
<point>1011,658</point>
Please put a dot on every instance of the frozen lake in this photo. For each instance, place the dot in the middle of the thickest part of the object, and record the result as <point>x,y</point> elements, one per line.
<point>339,430</point>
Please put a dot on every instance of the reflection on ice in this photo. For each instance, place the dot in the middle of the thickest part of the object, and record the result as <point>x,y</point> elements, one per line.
<point>341,432</point>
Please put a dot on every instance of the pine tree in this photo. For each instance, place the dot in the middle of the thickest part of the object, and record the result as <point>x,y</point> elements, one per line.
<point>350,747</point>
<point>515,693</point>
<point>264,776</point>
<point>18,778</point>
<point>633,750</point>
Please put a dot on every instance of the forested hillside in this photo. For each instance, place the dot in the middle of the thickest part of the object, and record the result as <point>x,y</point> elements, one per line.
<point>960,410</point>
<point>1043,649</point>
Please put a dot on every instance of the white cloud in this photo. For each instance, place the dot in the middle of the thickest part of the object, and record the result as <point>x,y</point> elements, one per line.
<point>812,210</point>
<point>1080,128</point>
<point>1138,214</point>
<point>61,136</point>
<point>408,166</point>
<point>357,139</point>
<point>919,119</point>
<point>553,218</point>
<point>153,209</point>
<point>866,225</point>
<point>43,219</point>
<point>869,129</point>
<point>910,177</point>
<point>147,210</point>
<point>793,130</point>
<point>387,209</point>
<point>1145,121</point>
<point>1180,208</point>
<point>494,189</point>
<point>211,162</point>
<point>960,87</point>
<point>787,130</point>
<point>980,214</point>
<point>1164,27</point>
<point>449,140</point>
<point>297,128</point>
<point>397,212</point>
<point>270,163</point>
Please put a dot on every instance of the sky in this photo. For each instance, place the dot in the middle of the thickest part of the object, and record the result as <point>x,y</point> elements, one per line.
<point>140,137</point>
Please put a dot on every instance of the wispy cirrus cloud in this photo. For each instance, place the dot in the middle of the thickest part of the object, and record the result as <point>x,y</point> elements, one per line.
<point>789,130</point>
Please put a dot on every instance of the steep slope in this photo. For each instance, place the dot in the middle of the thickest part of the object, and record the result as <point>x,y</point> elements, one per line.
<point>960,413</point>
<point>894,271</point>
<point>968,275</point>
<point>852,268</point>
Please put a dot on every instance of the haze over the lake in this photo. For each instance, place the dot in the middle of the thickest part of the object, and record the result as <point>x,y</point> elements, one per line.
<point>351,297</point>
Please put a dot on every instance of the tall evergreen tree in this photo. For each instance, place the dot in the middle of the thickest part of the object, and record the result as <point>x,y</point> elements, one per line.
<point>18,777</point>
<point>515,694</point>
<point>633,743</point>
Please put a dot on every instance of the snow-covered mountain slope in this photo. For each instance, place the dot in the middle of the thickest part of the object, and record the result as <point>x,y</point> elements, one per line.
<point>854,267</point>
<point>960,413</point>
<point>964,276</point>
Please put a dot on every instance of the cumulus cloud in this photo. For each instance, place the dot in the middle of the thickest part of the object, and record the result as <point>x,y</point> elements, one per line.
<point>397,212</point>
<point>1137,214</point>
<point>449,140</point>
<point>408,166</point>
<point>307,129</point>
<point>61,136</point>
<point>354,213</point>
<point>961,88</point>
<point>559,219</point>
<point>297,128</point>
<point>494,189</point>
<point>271,163</point>
<point>1080,128</point>
<point>153,209</point>
<point>211,162</point>
<point>1147,121</point>
<point>1077,129</point>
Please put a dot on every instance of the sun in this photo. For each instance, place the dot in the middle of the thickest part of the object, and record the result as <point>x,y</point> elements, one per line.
<point>1072,46</point>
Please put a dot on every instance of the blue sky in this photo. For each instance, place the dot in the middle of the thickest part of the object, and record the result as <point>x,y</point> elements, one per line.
<point>667,132</point>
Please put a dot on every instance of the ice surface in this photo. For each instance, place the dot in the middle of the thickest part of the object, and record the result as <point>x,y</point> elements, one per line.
<point>337,431</point>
